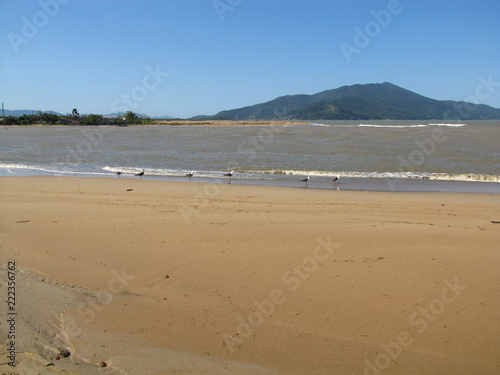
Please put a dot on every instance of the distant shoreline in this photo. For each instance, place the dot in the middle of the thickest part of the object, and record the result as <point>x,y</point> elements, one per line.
<point>224,123</point>
<point>186,123</point>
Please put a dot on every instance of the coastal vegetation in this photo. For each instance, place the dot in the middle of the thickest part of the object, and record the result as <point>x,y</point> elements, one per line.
<point>130,118</point>
<point>75,118</point>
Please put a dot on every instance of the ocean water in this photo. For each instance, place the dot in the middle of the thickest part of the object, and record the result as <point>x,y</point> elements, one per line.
<point>383,155</point>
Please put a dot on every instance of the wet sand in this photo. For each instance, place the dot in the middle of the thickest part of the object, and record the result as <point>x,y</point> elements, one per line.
<point>156,277</point>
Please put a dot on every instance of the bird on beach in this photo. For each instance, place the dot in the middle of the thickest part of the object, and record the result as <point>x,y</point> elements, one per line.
<point>305,180</point>
<point>119,173</point>
<point>336,182</point>
<point>140,174</point>
<point>190,174</point>
<point>230,175</point>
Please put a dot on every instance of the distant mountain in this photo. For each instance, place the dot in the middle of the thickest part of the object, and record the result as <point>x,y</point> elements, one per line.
<point>141,115</point>
<point>164,117</point>
<point>378,101</point>
<point>200,117</point>
<point>20,112</point>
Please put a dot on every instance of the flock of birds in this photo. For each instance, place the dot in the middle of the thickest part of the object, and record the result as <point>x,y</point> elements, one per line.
<point>335,180</point>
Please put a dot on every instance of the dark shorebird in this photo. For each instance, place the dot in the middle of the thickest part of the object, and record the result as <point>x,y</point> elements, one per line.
<point>190,174</point>
<point>140,174</point>
<point>336,182</point>
<point>119,173</point>
<point>305,180</point>
<point>230,175</point>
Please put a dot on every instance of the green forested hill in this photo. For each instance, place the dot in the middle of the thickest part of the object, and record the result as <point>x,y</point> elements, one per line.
<point>361,102</point>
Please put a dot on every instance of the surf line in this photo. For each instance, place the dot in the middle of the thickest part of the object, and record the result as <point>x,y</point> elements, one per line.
<point>418,156</point>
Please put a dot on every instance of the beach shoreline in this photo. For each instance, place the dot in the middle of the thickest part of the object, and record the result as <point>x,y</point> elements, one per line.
<point>373,184</point>
<point>155,276</point>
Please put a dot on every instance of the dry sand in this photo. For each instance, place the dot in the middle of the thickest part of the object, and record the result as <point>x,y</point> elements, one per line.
<point>261,280</point>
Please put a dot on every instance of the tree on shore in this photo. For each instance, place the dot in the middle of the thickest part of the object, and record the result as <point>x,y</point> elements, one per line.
<point>132,118</point>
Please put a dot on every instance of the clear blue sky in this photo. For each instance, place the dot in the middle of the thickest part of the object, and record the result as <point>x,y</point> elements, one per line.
<point>185,57</point>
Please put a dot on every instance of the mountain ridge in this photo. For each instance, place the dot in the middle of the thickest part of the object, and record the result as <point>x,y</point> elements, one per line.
<point>373,101</point>
<point>21,112</point>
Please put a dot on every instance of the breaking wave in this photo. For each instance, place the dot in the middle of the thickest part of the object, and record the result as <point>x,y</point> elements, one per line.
<point>405,175</point>
<point>107,171</point>
<point>451,125</point>
<point>392,126</point>
<point>315,124</point>
<point>410,125</point>
<point>387,126</point>
<point>273,174</point>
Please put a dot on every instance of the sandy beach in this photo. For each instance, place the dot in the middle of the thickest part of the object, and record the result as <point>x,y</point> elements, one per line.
<point>155,277</point>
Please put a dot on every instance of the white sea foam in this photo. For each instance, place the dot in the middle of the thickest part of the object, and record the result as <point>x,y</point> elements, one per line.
<point>316,124</point>
<point>387,174</point>
<point>33,169</point>
<point>410,125</point>
<point>28,167</point>
<point>255,174</point>
<point>166,172</point>
<point>392,126</point>
<point>450,125</point>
